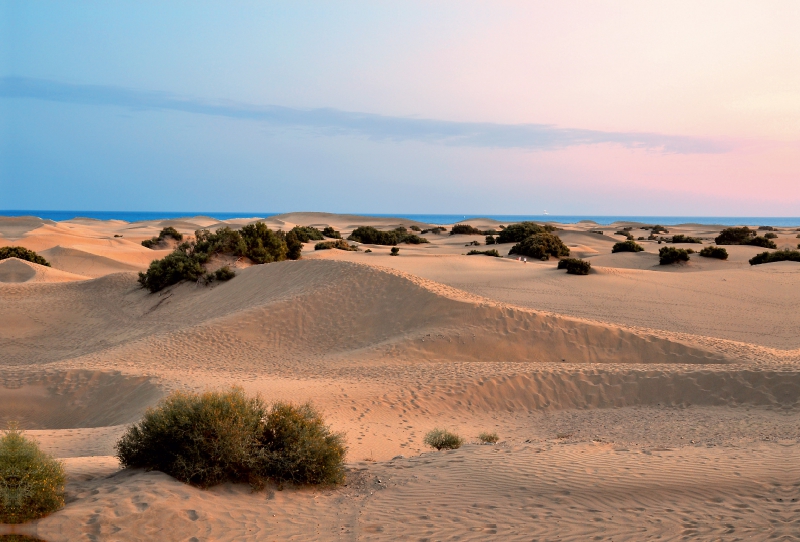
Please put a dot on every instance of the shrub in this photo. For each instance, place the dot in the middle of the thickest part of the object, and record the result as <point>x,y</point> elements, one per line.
<point>735,236</point>
<point>395,251</point>
<point>473,244</point>
<point>307,233</point>
<point>770,235</point>
<point>491,252</point>
<point>294,247</point>
<point>598,232</point>
<point>762,242</point>
<point>171,269</point>
<point>23,254</point>
<point>625,234</point>
<point>767,228</point>
<point>214,437</point>
<point>465,229</point>
<point>328,231</point>
<point>516,233</point>
<point>372,236</point>
<point>224,273</point>
<point>412,239</point>
<point>714,252</point>
<point>489,240</point>
<point>540,245</point>
<point>658,229</point>
<point>368,250</point>
<point>31,482</point>
<point>640,239</point>
<point>626,246</point>
<point>575,266</point>
<point>669,255</point>
<point>442,439</point>
<point>777,256</point>
<point>488,438</point>
<point>341,244</point>
<point>169,231</point>
<point>684,239</point>
<point>415,228</point>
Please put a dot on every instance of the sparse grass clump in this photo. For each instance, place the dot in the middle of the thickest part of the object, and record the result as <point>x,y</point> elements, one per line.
<point>442,439</point>
<point>714,252</point>
<point>541,246</point>
<point>169,231</point>
<point>685,239</point>
<point>215,437</point>
<point>341,244</point>
<point>516,233</point>
<point>626,246</point>
<point>31,482</point>
<point>491,252</point>
<point>23,254</point>
<point>777,256</point>
<point>575,266</point>
<point>670,255</point>
<point>488,438</point>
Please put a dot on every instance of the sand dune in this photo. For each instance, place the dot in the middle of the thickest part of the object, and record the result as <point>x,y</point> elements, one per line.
<point>92,265</point>
<point>14,270</point>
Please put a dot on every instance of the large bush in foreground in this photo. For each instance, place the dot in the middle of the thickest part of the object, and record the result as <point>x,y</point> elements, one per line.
<point>626,246</point>
<point>213,437</point>
<point>516,233</point>
<point>542,246</point>
<point>670,255</point>
<point>23,254</point>
<point>31,482</point>
<point>777,256</point>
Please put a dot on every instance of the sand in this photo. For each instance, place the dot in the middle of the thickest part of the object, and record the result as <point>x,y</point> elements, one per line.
<point>638,402</point>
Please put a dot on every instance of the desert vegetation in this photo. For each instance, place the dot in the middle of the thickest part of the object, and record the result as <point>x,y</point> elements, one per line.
<point>714,252</point>
<point>488,437</point>
<point>540,245</point>
<point>770,235</point>
<point>255,241</point>
<point>763,242</point>
<point>516,233</point>
<point>670,255</point>
<point>23,254</point>
<point>442,439</point>
<point>372,236</point>
<point>436,230</point>
<point>626,246</point>
<point>685,239</point>
<point>575,266</point>
<point>625,233</point>
<point>329,232</point>
<point>490,252</point>
<point>777,256</point>
<point>307,234</point>
<point>394,251</point>
<point>31,482</point>
<point>735,236</point>
<point>214,437</point>
<point>656,229</point>
<point>169,231</point>
<point>340,244</point>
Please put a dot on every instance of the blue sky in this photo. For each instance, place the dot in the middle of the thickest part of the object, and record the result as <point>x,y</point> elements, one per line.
<point>453,107</point>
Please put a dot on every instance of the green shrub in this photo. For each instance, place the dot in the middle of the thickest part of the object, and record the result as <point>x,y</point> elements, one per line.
<point>625,233</point>
<point>626,246</point>
<point>684,239</point>
<point>669,255</point>
<point>441,439</point>
<point>598,232</point>
<point>341,244</point>
<point>415,228</point>
<point>31,482</point>
<point>412,239</point>
<point>372,236</point>
<point>307,233</point>
<point>465,229</point>
<point>368,250</point>
<point>516,233</point>
<point>23,254</point>
<point>488,438</point>
<point>294,247</point>
<point>224,273</point>
<point>395,251</point>
<point>491,252</point>
<point>473,244</point>
<point>172,269</point>
<point>575,266</point>
<point>767,228</point>
<point>540,245</point>
<point>215,437</point>
<point>169,231</point>
<point>489,240</point>
<point>777,256</point>
<point>770,235</point>
<point>658,229</point>
<point>437,230</point>
<point>328,231</point>
<point>762,242</point>
<point>735,236</point>
<point>714,252</point>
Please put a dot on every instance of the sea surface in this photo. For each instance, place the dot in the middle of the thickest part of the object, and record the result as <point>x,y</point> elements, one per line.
<point>137,216</point>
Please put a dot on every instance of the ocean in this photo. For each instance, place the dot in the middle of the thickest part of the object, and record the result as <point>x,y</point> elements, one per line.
<point>137,216</point>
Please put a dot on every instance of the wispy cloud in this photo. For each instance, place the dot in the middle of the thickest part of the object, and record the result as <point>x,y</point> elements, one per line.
<point>379,127</point>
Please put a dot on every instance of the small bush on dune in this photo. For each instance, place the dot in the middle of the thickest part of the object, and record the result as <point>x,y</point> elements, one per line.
<point>169,231</point>
<point>488,438</point>
<point>394,252</point>
<point>490,240</point>
<point>491,252</point>
<point>770,235</point>
<point>415,228</point>
<point>31,482</point>
<point>658,229</point>
<point>714,252</point>
<point>625,234</point>
<point>777,256</point>
<point>214,437</point>
<point>224,273</point>
<point>670,255</point>
<point>329,232</point>
<point>23,254</point>
<point>341,244</point>
<point>516,233</point>
<point>762,242</point>
<point>540,245</point>
<point>307,233</point>
<point>735,236</point>
<point>684,239</point>
<point>441,439</point>
<point>171,269</point>
<point>372,236</point>
<point>626,246</point>
<point>767,228</point>
<point>465,229</point>
<point>436,230</point>
<point>575,266</point>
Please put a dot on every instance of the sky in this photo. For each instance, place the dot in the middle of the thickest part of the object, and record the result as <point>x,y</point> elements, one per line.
<point>683,108</point>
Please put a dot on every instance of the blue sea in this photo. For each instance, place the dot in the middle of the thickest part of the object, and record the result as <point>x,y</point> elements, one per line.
<point>136,216</point>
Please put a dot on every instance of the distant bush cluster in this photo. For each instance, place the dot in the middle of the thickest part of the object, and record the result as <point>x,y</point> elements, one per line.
<point>214,437</point>
<point>31,482</point>
<point>491,252</point>
<point>656,229</point>
<point>777,256</point>
<point>517,233</point>
<point>306,234</point>
<point>625,233</point>
<point>540,245</point>
<point>169,231</point>
<point>714,252</point>
<point>373,236</point>
<point>442,439</point>
<point>685,239</point>
<point>575,266</point>
<point>329,232</point>
<point>255,241</point>
<point>341,244</point>
<point>465,229</point>
<point>626,246</point>
<point>436,230</point>
<point>670,255</point>
<point>23,254</point>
